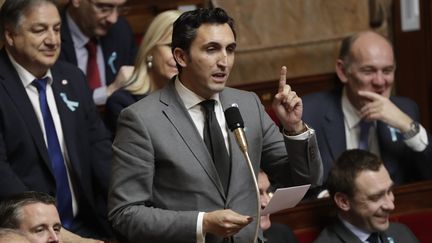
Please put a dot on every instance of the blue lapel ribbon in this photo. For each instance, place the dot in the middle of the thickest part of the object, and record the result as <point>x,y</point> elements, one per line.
<point>111,60</point>
<point>72,105</point>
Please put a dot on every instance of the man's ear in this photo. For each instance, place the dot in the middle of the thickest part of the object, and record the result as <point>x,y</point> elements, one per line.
<point>9,37</point>
<point>342,201</point>
<point>341,71</point>
<point>181,57</point>
<point>75,3</point>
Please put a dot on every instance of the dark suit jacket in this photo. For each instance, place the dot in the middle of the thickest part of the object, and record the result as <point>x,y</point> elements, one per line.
<point>279,233</point>
<point>118,42</point>
<point>163,174</point>
<point>323,112</point>
<point>119,100</point>
<point>24,161</point>
<point>338,233</point>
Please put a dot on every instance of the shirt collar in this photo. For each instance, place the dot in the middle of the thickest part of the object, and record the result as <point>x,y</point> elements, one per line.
<point>351,114</point>
<point>26,77</point>
<point>360,233</point>
<point>78,37</point>
<point>189,98</point>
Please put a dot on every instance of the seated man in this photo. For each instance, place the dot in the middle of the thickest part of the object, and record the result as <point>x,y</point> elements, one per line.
<point>97,39</point>
<point>52,139</point>
<point>272,233</point>
<point>364,115</point>
<point>361,189</point>
<point>12,236</point>
<point>35,215</point>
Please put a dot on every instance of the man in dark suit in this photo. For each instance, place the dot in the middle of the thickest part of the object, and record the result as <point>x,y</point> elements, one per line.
<point>175,180</point>
<point>361,189</point>
<point>51,137</point>
<point>100,23</point>
<point>363,114</point>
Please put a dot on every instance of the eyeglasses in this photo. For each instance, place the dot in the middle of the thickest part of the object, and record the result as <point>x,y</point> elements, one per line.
<point>107,8</point>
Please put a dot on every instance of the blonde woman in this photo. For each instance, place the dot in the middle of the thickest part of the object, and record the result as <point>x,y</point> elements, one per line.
<point>154,67</point>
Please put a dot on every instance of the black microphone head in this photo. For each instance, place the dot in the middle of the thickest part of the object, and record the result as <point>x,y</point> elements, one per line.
<point>234,118</point>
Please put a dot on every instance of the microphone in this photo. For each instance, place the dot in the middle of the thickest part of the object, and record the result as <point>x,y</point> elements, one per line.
<point>235,124</point>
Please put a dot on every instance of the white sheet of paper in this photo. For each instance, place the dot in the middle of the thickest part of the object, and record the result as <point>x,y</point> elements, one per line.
<point>284,198</point>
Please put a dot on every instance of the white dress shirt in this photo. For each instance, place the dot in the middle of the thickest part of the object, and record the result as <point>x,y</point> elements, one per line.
<point>80,40</point>
<point>361,234</point>
<point>352,130</point>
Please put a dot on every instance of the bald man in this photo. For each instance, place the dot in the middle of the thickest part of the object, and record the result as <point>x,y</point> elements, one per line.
<point>366,68</point>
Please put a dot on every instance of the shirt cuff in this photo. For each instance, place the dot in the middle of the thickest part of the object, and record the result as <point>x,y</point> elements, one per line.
<point>419,142</point>
<point>200,236</point>
<point>100,95</point>
<point>302,136</point>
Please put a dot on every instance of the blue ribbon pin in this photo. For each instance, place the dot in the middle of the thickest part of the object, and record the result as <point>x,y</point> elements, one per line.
<point>393,133</point>
<point>72,105</point>
<point>111,60</point>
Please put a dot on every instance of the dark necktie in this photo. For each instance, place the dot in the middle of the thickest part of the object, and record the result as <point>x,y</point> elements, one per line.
<point>373,238</point>
<point>93,75</point>
<point>63,193</point>
<point>215,143</point>
<point>364,135</point>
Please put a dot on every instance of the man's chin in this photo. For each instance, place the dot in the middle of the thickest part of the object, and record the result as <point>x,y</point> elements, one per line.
<point>381,225</point>
<point>265,222</point>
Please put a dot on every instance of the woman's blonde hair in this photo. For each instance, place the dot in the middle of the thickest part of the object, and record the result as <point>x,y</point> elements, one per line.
<point>160,27</point>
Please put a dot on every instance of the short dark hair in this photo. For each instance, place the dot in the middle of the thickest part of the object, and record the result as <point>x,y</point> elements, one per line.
<point>12,11</point>
<point>10,208</point>
<point>186,26</point>
<point>346,169</point>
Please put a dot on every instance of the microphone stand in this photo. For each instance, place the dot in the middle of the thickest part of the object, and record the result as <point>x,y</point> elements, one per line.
<point>241,140</point>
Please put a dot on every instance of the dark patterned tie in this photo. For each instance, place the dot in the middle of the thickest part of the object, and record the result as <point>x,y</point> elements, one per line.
<point>63,192</point>
<point>364,135</point>
<point>373,238</point>
<point>215,143</point>
<point>93,75</point>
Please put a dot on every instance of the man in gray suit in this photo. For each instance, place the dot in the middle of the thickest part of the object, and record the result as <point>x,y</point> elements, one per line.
<point>361,189</point>
<point>165,186</point>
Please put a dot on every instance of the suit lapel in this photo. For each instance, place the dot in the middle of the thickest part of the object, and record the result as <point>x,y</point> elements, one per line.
<point>344,233</point>
<point>334,137</point>
<point>110,58</point>
<point>67,49</point>
<point>182,122</point>
<point>236,156</point>
<point>11,82</point>
<point>61,87</point>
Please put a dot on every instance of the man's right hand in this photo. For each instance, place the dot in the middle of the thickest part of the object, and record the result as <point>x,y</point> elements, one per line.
<point>121,79</point>
<point>69,237</point>
<point>224,223</point>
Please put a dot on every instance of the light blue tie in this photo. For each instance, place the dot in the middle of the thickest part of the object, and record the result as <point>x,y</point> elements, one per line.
<point>364,135</point>
<point>63,192</point>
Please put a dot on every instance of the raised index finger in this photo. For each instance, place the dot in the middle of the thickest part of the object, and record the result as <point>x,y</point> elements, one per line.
<point>282,79</point>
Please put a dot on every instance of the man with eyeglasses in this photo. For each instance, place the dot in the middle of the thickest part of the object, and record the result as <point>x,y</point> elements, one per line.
<point>97,39</point>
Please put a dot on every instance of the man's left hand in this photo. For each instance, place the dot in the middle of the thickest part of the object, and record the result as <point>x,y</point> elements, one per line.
<point>288,106</point>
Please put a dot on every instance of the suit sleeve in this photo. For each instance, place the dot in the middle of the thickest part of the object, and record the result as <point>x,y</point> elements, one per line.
<point>422,161</point>
<point>10,182</point>
<point>130,203</point>
<point>294,162</point>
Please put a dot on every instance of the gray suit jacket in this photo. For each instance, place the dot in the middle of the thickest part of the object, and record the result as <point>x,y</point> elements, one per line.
<point>163,175</point>
<point>337,232</point>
